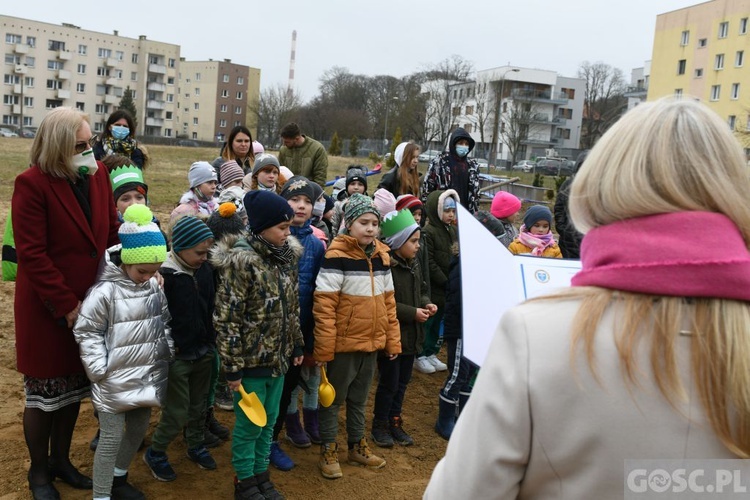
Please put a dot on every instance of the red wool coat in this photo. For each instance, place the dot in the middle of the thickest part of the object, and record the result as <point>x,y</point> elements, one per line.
<point>58,257</point>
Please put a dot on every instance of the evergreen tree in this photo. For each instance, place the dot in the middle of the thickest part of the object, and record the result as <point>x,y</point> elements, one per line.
<point>335,148</point>
<point>353,146</point>
<point>128,105</point>
<point>391,162</point>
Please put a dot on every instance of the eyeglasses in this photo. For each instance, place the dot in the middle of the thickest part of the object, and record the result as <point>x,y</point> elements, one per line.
<point>81,147</point>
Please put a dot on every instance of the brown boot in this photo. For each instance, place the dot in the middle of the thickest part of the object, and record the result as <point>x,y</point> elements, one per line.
<point>361,455</point>
<point>329,461</point>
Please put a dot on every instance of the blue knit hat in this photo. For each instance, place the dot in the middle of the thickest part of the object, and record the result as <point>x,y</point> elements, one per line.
<point>188,232</point>
<point>266,209</point>
<point>142,241</point>
<point>535,214</point>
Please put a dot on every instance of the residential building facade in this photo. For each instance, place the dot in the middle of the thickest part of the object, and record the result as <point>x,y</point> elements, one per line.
<point>637,92</point>
<point>700,51</point>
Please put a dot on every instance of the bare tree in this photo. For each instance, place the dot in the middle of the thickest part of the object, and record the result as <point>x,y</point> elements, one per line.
<point>484,112</point>
<point>603,99</point>
<point>273,109</point>
<point>520,120</point>
<point>442,101</point>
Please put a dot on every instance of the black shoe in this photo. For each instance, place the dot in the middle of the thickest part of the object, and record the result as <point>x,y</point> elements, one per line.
<point>123,490</point>
<point>267,488</point>
<point>94,441</point>
<point>214,426</point>
<point>247,489</point>
<point>399,434</point>
<point>381,434</point>
<point>72,477</point>
<point>46,491</point>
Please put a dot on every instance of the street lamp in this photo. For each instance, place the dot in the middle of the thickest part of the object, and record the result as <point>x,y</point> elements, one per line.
<point>385,129</point>
<point>500,107</point>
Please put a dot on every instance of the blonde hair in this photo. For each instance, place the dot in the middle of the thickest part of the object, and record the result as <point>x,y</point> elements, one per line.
<point>670,156</point>
<point>409,181</point>
<point>54,144</point>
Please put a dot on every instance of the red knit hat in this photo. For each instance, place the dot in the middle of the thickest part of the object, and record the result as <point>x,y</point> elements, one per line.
<point>504,205</point>
<point>408,201</point>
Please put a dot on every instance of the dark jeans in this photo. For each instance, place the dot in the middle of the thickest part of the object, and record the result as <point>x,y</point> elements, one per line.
<point>291,380</point>
<point>394,377</point>
<point>461,371</point>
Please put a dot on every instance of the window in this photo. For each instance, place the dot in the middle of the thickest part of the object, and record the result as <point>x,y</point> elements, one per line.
<point>168,115</point>
<point>53,103</point>
<point>134,76</point>
<point>54,65</point>
<point>225,93</point>
<point>469,110</point>
<point>170,80</point>
<point>170,97</point>
<point>104,53</point>
<point>197,77</point>
<point>55,45</point>
<point>698,72</point>
<point>132,94</point>
<point>702,42</point>
<point>80,106</point>
<point>134,58</point>
<point>735,91</point>
<point>239,95</point>
<point>10,99</point>
<point>226,79</point>
<point>118,74</point>
<point>456,111</point>
<point>54,84</point>
<point>30,61</point>
<point>681,66</point>
<point>723,29</point>
<point>223,108</point>
<point>10,120</point>
<point>13,38</point>
<point>171,63</point>
<point>715,92</point>
<point>9,79</point>
<point>685,38</point>
<point>732,121</point>
<point>102,71</point>
<point>28,102</point>
<point>222,123</point>
<point>82,50</point>
<point>81,69</point>
<point>195,121</point>
<point>240,80</point>
<point>119,55</point>
<point>739,58</point>
<point>12,59</point>
<point>467,128</point>
<point>571,93</point>
<point>80,88</point>
<point>743,26</point>
<point>28,81</point>
<point>101,109</point>
<point>167,132</point>
<point>719,62</point>
<point>101,90</point>
<point>678,92</point>
<point>196,106</point>
<point>98,127</point>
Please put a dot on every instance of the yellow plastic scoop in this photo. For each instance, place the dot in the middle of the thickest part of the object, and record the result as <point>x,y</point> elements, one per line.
<point>252,407</point>
<point>326,392</point>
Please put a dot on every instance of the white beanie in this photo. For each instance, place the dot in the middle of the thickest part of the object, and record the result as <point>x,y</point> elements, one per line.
<point>398,154</point>
<point>200,172</point>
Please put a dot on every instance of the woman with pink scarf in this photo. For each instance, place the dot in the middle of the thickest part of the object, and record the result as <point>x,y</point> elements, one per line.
<point>638,373</point>
<point>535,237</point>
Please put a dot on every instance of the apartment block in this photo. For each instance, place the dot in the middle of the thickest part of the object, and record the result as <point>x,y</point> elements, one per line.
<point>637,91</point>
<point>700,51</point>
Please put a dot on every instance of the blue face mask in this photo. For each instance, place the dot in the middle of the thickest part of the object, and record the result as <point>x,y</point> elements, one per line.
<point>120,132</point>
<point>462,151</point>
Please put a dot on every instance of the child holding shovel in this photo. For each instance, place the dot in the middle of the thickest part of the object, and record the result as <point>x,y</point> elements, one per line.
<point>258,328</point>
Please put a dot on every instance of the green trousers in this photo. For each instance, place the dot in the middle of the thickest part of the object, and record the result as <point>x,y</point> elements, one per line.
<point>433,338</point>
<point>187,391</point>
<point>251,444</point>
<point>214,382</point>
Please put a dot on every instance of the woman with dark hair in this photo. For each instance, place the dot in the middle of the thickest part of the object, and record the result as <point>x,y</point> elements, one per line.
<point>68,221</point>
<point>119,138</point>
<point>239,147</point>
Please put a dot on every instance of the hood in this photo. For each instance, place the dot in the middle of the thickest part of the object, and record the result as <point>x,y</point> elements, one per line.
<point>458,134</point>
<point>434,205</point>
<point>110,271</point>
<point>345,243</point>
<point>302,230</point>
<point>398,154</point>
<point>232,251</point>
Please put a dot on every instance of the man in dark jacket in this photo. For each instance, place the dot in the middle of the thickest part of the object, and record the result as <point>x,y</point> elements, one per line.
<point>570,238</point>
<point>455,170</point>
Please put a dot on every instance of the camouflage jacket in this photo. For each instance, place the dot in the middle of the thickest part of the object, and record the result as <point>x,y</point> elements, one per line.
<point>257,308</point>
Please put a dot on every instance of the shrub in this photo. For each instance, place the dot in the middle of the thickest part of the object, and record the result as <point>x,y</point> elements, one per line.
<point>335,148</point>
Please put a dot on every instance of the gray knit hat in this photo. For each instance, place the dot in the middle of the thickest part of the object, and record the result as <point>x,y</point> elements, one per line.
<point>265,160</point>
<point>200,172</point>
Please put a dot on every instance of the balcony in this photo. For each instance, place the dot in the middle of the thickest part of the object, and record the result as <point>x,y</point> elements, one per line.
<point>635,92</point>
<point>21,48</point>
<point>17,88</point>
<point>63,94</point>
<point>16,109</point>
<point>64,55</point>
<point>157,68</point>
<point>538,141</point>
<point>544,96</point>
<point>155,104</point>
<point>156,87</point>
<point>154,122</point>
<point>63,74</point>
<point>111,99</point>
<point>111,81</point>
<point>559,120</point>
<point>111,62</point>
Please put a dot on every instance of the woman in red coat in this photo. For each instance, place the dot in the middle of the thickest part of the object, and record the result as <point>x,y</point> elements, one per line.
<point>64,218</point>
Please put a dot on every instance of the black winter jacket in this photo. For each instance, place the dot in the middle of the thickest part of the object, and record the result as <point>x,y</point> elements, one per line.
<point>453,318</point>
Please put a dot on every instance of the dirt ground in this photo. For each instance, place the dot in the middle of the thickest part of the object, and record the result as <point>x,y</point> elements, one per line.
<point>406,474</point>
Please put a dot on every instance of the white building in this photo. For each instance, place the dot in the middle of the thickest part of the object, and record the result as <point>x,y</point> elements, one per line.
<point>638,89</point>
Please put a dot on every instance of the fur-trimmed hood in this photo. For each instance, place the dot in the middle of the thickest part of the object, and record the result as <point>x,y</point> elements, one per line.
<point>232,251</point>
<point>436,202</point>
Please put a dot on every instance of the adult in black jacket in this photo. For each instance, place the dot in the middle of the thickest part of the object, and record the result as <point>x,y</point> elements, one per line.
<point>570,238</point>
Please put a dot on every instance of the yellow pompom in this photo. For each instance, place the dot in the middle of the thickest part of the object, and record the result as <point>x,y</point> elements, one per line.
<point>227,209</point>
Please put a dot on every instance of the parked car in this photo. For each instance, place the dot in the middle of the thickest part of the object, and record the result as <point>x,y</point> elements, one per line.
<point>483,164</point>
<point>188,143</point>
<point>428,155</point>
<point>6,132</point>
<point>549,166</point>
<point>28,133</point>
<point>524,166</point>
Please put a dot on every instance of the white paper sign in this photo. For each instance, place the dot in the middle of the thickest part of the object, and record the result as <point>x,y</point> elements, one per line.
<point>493,280</point>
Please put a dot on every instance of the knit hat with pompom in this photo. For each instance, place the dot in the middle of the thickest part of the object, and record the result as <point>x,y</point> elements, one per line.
<point>225,221</point>
<point>142,241</point>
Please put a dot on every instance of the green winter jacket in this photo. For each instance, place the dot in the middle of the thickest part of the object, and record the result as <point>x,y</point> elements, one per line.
<point>411,293</point>
<point>257,308</point>
<point>439,239</point>
<point>309,160</point>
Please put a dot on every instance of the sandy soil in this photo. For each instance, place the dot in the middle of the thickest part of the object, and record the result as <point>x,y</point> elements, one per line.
<point>405,475</point>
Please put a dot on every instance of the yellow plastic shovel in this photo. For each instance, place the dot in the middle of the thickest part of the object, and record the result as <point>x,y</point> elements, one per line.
<point>326,392</point>
<point>253,408</point>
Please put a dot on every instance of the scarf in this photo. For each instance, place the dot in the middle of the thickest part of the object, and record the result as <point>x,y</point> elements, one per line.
<point>537,243</point>
<point>282,254</point>
<point>123,147</point>
<point>682,254</point>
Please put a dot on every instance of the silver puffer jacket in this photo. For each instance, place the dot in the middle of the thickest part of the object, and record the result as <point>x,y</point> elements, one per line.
<point>125,342</point>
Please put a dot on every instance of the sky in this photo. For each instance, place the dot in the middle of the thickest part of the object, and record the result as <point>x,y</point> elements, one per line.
<point>383,37</point>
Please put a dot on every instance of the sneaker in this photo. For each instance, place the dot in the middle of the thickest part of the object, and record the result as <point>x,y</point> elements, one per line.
<point>158,462</point>
<point>123,490</point>
<point>267,488</point>
<point>439,365</point>
<point>279,459</point>
<point>329,461</point>
<point>360,454</point>
<point>247,489</point>
<point>381,434</point>
<point>423,365</point>
<point>202,457</point>
<point>223,399</point>
<point>399,434</point>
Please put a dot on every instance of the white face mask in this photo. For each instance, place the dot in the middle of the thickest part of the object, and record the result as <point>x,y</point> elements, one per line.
<point>85,163</point>
<point>318,208</point>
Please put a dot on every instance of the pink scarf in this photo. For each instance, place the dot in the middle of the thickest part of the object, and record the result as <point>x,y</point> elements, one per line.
<point>683,254</point>
<point>537,243</point>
